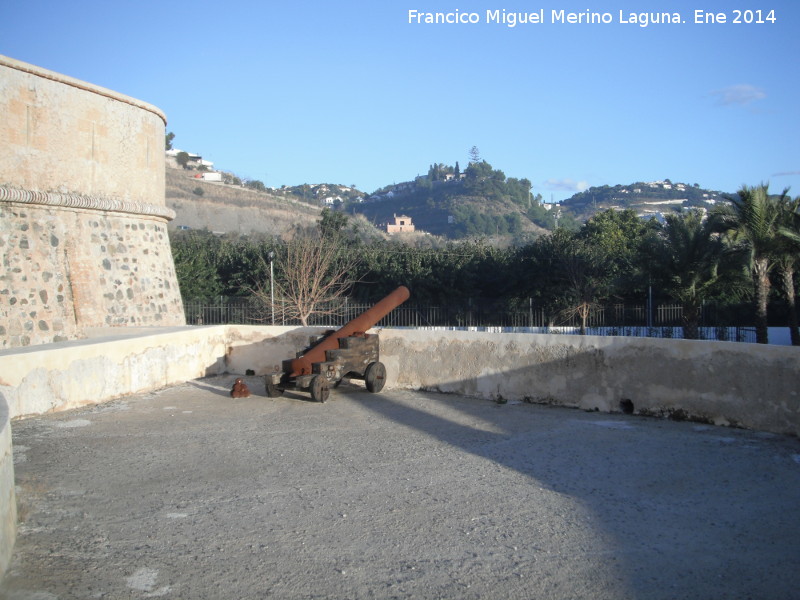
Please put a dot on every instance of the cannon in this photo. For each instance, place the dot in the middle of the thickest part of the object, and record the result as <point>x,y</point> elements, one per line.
<point>345,352</point>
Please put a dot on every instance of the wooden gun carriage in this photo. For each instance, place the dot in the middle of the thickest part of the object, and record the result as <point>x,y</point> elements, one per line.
<point>346,352</point>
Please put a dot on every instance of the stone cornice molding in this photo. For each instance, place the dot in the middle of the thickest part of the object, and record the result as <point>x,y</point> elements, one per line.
<point>57,200</point>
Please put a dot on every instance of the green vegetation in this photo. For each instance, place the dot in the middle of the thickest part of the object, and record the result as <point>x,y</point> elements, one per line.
<point>480,201</point>
<point>709,248</point>
<point>255,184</point>
<point>615,257</point>
<point>686,257</point>
<point>752,221</point>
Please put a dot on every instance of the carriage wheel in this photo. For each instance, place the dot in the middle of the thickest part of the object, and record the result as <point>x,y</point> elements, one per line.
<point>375,377</point>
<point>273,391</point>
<point>319,389</point>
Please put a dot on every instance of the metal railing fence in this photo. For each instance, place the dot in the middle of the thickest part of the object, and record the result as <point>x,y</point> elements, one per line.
<point>614,319</point>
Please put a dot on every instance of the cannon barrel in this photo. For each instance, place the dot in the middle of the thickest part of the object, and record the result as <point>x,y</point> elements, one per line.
<point>366,320</point>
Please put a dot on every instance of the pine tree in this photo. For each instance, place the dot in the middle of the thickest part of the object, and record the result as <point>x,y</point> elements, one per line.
<point>474,155</point>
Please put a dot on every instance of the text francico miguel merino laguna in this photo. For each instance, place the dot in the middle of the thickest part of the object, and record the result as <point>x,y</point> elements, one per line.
<point>588,17</point>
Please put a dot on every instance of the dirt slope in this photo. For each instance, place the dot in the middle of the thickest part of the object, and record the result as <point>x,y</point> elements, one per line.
<point>233,209</point>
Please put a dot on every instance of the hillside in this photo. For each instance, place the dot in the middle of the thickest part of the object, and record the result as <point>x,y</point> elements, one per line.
<point>237,208</point>
<point>324,193</point>
<point>228,208</point>
<point>453,216</point>
<point>446,203</point>
<point>479,202</point>
<point>650,199</point>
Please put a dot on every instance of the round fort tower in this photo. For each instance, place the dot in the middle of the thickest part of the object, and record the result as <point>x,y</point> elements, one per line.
<point>83,234</point>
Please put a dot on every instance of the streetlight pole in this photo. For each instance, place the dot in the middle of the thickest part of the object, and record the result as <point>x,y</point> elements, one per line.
<point>271,288</point>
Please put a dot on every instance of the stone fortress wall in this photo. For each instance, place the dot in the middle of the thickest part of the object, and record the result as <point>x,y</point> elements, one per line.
<point>83,217</point>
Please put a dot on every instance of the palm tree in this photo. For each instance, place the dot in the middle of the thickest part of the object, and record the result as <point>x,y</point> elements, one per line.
<point>788,255</point>
<point>751,221</point>
<point>684,254</point>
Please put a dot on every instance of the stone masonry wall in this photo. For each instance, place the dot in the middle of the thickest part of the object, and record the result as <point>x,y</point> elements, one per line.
<point>64,270</point>
<point>83,237</point>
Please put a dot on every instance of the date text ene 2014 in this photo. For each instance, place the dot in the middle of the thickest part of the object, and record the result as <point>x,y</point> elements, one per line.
<point>736,17</point>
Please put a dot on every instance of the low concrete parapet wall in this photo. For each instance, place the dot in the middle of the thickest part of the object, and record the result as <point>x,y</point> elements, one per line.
<point>725,383</point>
<point>748,385</point>
<point>65,375</point>
<point>116,362</point>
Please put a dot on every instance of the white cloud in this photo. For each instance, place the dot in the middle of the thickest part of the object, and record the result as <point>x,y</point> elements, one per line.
<point>786,174</point>
<point>738,95</point>
<point>565,185</point>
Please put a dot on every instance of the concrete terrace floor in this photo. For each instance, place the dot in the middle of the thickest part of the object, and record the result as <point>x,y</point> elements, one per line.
<point>186,493</point>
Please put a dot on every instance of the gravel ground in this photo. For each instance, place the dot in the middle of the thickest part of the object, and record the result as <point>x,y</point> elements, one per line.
<point>186,493</point>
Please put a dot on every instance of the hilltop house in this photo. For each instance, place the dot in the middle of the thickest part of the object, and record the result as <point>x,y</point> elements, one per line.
<point>402,224</point>
<point>195,160</point>
<point>454,177</point>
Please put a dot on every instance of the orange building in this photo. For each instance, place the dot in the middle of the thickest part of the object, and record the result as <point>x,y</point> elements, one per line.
<point>402,224</point>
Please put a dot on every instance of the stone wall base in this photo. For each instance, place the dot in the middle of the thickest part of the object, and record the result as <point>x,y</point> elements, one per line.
<point>67,269</point>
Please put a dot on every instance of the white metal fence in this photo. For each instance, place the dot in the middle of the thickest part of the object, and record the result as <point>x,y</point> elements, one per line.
<point>662,321</point>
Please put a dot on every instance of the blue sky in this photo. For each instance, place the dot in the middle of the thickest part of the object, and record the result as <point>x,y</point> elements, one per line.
<point>352,93</point>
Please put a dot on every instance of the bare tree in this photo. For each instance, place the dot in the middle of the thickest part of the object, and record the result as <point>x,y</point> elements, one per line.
<point>314,276</point>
